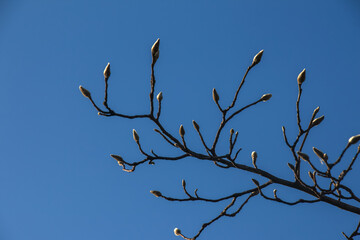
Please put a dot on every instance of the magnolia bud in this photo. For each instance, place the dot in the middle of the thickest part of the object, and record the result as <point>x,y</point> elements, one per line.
<point>85,92</point>
<point>159,97</point>
<point>107,71</point>
<point>317,121</point>
<point>183,183</point>
<point>255,182</point>
<point>291,166</point>
<point>257,58</point>
<point>320,154</point>
<point>231,131</point>
<point>266,97</point>
<point>177,232</point>
<point>117,158</point>
<point>316,110</point>
<point>274,191</point>
<point>135,135</point>
<point>215,95</point>
<point>156,193</point>
<point>301,77</point>
<point>354,139</point>
<point>196,126</point>
<point>181,131</point>
<point>254,157</point>
<point>155,50</point>
<point>303,156</point>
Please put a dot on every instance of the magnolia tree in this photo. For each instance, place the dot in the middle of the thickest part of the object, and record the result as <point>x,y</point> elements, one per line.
<point>325,186</point>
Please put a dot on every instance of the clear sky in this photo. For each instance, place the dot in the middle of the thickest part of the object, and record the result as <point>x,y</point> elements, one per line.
<point>57,180</point>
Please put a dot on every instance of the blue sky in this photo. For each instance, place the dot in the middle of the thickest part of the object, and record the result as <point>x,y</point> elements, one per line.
<point>57,179</point>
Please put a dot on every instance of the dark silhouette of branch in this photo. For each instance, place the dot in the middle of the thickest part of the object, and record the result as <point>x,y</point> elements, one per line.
<point>334,193</point>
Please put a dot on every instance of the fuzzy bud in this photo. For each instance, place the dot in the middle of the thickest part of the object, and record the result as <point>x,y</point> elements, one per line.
<point>320,154</point>
<point>159,97</point>
<point>155,50</point>
<point>265,97</point>
<point>275,195</point>
<point>316,110</point>
<point>257,58</point>
<point>177,232</point>
<point>215,95</point>
<point>232,131</point>
<point>183,183</point>
<point>291,166</point>
<point>196,126</point>
<point>304,156</point>
<point>301,77</point>
<point>254,157</point>
<point>317,121</point>
<point>181,131</point>
<point>85,92</point>
<point>156,193</point>
<point>354,139</point>
<point>255,182</point>
<point>135,135</point>
<point>117,158</point>
<point>107,71</point>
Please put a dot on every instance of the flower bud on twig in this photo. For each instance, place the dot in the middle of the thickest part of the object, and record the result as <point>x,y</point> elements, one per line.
<point>317,121</point>
<point>196,126</point>
<point>159,97</point>
<point>177,232</point>
<point>257,58</point>
<point>304,156</point>
<point>320,154</point>
<point>85,92</point>
<point>275,195</point>
<point>215,95</point>
<point>255,182</point>
<point>301,77</point>
<point>316,110</point>
<point>181,131</point>
<point>117,158</point>
<point>254,157</point>
<point>136,136</point>
<point>232,131</point>
<point>265,97</point>
<point>354,139</point>
<point>156,193</point>
<point>107,71</point>
<point>291,166</point>
<point>183,183</point>
<point>155,50</point>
